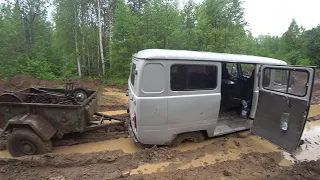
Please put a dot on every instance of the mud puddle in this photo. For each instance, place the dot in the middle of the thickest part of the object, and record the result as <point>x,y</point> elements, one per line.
<point>214,150</point>
<point>314,110</point>
<point>124,144</point>
<point>310,150</point>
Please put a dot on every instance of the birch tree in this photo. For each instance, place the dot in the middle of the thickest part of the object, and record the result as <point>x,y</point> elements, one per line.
<point>100,40</point>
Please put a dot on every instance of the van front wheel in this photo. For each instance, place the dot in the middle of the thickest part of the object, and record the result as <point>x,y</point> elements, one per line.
<point>196,137</point>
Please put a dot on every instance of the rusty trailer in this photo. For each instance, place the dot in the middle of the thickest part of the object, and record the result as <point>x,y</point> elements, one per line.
<point>34,115</point>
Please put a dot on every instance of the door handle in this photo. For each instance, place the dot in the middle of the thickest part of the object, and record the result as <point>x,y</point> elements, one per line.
<point>289,103</point>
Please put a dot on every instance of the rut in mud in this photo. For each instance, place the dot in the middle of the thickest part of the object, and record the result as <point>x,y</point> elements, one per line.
<point>162,163</point>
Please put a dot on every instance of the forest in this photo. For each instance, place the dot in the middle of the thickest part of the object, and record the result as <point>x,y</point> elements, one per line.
<point>58,39</point>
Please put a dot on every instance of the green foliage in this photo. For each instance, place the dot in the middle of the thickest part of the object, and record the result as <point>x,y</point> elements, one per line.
<point>304,62</point>
<point>31,44</point>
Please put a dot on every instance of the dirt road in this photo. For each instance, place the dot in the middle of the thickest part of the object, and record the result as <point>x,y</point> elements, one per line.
<point>110,154</point>
<point>238,156</point>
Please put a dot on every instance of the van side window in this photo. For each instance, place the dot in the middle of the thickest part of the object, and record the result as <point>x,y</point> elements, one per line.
<point>193,77</point>
<point>133,73</point>
<point>292,82</point>
<point>153,79</point>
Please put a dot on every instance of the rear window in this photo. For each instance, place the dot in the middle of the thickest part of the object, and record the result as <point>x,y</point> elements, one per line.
<point>288,81</point>
<point>193,77</point>
<point>133,73</point>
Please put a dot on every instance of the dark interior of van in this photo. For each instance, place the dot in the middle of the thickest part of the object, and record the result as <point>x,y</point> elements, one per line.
<point>237,88</point>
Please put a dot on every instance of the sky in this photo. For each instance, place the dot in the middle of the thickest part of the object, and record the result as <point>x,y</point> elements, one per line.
<point>274,16</point>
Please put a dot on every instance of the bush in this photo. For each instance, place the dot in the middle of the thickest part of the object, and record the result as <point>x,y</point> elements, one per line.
<point>304,62</point>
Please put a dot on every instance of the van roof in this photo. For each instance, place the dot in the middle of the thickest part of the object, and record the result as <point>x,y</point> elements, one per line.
<point>156,54</point>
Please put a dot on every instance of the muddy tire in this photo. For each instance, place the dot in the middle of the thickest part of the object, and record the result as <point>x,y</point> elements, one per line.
<point>196,137</point>
<point>24,141</point>
<point>80,94</point>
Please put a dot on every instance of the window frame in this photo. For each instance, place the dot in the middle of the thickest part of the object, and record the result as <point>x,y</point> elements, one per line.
<point>133,74</point>
<point>288,81</point>
<point>187,79</point>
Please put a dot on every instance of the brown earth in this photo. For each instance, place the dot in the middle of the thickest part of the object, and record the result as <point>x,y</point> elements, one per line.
<point>118,165</point>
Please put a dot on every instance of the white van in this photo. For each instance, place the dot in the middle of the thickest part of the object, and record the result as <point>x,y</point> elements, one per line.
<point>177,95</point>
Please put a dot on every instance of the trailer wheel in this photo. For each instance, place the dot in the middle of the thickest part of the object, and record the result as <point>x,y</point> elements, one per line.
<point>24,141</point>
<point>196,137</point>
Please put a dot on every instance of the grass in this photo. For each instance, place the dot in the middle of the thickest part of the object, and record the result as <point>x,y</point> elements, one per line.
<point>115,81</point>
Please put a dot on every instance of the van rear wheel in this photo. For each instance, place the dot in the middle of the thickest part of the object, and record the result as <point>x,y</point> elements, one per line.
<point>196,137</point>
<point>24,141</point>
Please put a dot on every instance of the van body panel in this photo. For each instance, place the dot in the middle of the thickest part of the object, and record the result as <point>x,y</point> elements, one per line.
<point>173,92</point>
<point>194,110</point>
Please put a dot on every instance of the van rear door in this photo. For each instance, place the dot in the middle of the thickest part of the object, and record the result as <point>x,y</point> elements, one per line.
<point>283,105</point>
<point>132,84</point>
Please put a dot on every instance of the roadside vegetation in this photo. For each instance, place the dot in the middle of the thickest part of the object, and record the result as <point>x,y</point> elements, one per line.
<point>58,39</point>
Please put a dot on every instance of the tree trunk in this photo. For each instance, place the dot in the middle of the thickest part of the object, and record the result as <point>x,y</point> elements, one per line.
<point>110,40</point>
<point>100,41</point>
<point>76,40</point>
<point>83,55</point>
<point>98,54</point>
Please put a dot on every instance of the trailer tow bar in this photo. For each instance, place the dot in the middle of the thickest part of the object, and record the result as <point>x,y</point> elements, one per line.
<point>106,117</point>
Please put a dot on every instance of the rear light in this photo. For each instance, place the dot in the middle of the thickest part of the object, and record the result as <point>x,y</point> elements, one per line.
<point>134,119</point>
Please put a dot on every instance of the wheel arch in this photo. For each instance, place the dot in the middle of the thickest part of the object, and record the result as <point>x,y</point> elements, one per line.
<point>36,123</point>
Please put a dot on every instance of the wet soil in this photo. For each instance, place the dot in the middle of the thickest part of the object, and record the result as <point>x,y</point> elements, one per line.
<point>158,163</point>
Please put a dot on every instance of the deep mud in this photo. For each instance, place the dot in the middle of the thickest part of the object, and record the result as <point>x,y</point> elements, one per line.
<point>250,166</point>
<point>167,165</point>
<point>113,131</point>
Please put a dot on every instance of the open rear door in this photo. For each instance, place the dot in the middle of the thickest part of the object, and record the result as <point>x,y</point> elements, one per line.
<point>283,106</point>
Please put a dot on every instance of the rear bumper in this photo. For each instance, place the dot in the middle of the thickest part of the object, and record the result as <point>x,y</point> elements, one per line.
<point>131,133</point>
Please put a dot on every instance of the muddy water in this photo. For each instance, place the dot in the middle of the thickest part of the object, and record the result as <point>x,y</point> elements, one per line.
<point>232,150</point>
<point>310,150</point>
<point>314,110</point>
<point>124,144</point>
<point>149,168</point>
